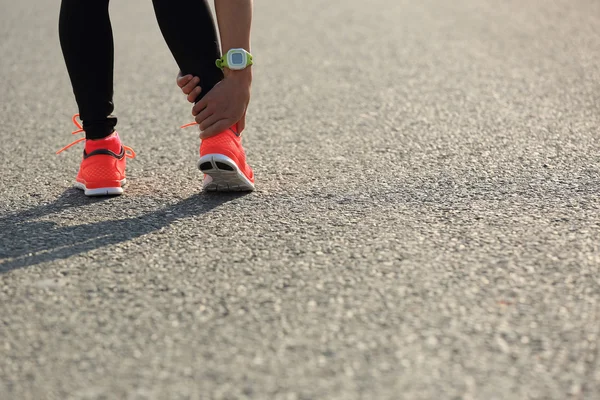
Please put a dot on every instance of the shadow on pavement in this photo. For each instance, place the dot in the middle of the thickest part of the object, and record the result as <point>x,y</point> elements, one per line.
<point>25,242</point>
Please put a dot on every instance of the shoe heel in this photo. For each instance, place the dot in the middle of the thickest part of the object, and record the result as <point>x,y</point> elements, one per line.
<point>222,174</point>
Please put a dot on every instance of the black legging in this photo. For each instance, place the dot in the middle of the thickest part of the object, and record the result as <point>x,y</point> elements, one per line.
<point>87,44</point>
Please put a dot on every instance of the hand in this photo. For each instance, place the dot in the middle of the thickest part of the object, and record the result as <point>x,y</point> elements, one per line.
<point>225,104</point>
<point>189,86</point>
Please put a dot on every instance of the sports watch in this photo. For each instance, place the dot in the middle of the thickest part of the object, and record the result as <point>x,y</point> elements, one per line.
<point>235,59</point>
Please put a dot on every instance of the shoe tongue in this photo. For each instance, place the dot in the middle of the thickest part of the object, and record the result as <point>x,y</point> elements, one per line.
<point>112,143</point>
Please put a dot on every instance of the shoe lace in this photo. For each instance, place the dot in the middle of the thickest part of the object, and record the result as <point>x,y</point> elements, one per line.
<point>188,125</point>
<point>129,153</point>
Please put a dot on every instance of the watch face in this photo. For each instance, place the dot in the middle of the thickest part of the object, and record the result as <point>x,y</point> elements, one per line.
<point>237,59</point>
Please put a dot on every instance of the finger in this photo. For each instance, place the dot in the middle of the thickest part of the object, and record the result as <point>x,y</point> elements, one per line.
<point>209,121</point>
<point>216,128</point>
<point>183,80</point>
<point>200,118</point>
<point>187,89</point>
<point>201,105</point>
<point>194,94</point>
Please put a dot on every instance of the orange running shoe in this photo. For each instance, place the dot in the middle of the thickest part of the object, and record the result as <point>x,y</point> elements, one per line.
<point>102,170</point>
<point>223,161</point>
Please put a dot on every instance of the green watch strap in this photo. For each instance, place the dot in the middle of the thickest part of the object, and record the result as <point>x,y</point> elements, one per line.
<point>222,62</point>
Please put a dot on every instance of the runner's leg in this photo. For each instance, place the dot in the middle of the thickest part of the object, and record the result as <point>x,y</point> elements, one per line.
<point>87,44</point>
<point>194,46</point>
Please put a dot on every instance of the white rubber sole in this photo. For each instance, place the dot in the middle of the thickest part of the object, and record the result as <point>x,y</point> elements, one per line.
<point>105,191</point>
<point>223,175</point>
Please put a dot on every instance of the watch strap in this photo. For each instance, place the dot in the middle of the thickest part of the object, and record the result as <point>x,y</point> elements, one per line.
<point>221,63</point>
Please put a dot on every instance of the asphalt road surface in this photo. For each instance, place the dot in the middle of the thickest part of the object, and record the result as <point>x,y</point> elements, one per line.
<point>425,226</point>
